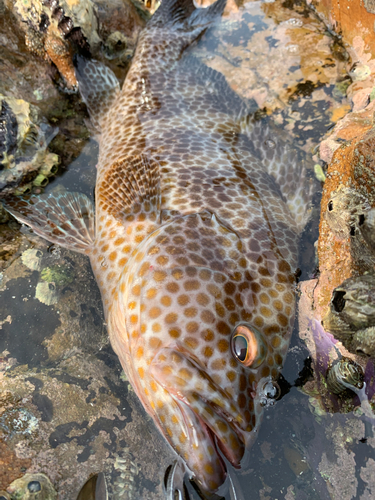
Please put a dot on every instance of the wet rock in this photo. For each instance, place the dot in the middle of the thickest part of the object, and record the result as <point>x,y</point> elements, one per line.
<point>349,21</point>
<point>290,45</point>
<point>48,24</point>
<point>78,440</point>
<point>10,244</point>
<point>54,30</point>
<point>359,118</point>
<point>32,487</point>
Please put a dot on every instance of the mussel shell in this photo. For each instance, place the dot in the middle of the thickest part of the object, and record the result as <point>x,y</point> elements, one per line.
<point>344,376</point>
<point>94,489</point>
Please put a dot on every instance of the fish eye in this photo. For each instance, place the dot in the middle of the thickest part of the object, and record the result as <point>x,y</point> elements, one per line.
<point>248,346</point>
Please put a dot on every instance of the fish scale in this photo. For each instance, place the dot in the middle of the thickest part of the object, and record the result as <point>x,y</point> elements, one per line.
<point>197,219</point>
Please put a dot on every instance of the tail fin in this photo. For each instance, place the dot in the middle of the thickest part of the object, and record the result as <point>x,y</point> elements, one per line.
<point>182,14</point>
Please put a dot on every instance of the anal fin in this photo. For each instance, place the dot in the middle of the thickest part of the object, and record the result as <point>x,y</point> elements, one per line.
<point>98,87</point>
<point>66,219</point>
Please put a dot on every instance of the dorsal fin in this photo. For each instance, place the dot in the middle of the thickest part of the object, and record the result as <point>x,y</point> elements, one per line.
<point>182,14</point>
<point>66,219</point>
<point>130,187</point>
<point>98,86</point>
<point>288,165</point>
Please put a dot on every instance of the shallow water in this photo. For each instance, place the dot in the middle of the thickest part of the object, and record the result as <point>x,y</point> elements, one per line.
<point>75,415</point>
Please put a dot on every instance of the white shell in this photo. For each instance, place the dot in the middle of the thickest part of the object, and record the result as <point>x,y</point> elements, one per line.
<point>32,259</point>
<point>47,293</point>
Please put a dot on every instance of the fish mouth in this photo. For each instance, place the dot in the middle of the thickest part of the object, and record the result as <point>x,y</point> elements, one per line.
<point>202,403</point>
<point>221,427</point>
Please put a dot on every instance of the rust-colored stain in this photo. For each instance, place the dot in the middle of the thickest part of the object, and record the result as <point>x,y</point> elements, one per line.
<point>11,467</point>
<point>352,166</point>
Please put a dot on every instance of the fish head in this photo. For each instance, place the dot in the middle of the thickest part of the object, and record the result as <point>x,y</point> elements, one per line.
<point>195,356</point>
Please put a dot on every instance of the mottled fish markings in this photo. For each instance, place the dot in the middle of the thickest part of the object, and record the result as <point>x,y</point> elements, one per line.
<point>198,213</point>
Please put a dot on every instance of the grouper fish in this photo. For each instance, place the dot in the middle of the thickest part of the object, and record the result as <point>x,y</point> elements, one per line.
<point>198,211</point>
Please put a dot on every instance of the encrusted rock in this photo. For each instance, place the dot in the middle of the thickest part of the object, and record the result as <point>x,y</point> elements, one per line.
<point>54,29</point>
<point>24,138</point>
<point>348,197</point>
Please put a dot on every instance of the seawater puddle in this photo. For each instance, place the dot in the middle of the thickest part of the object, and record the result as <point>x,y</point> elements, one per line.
<point>55,355</point>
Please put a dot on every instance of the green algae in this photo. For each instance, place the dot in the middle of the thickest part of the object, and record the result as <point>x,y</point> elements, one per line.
<point>60,275</point>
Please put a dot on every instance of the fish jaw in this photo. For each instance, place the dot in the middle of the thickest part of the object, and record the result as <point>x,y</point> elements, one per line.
<point>210,418</point>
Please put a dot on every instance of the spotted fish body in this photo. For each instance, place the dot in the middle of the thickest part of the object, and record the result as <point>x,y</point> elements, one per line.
<point>198,214</point>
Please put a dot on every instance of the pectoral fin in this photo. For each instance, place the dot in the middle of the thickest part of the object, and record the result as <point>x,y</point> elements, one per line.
<point>66,219</point>
<point>131,187</point>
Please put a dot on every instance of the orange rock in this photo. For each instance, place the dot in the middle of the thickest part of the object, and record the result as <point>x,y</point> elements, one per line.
<point>350,19</point>
<point>352,126</point>
<point>59,51</point>
<point>351,185</point>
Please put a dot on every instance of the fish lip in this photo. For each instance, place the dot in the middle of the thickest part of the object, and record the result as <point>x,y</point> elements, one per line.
<point>215,436</point>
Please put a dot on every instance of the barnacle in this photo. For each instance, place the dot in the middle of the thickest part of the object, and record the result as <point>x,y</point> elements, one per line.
<point>47,293</point>
<point>32,486</point>
<point>351,315</point>
<point>343,209</point>
<point>127,471</point>
<point>32,258</point>
<point>18,421</point>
